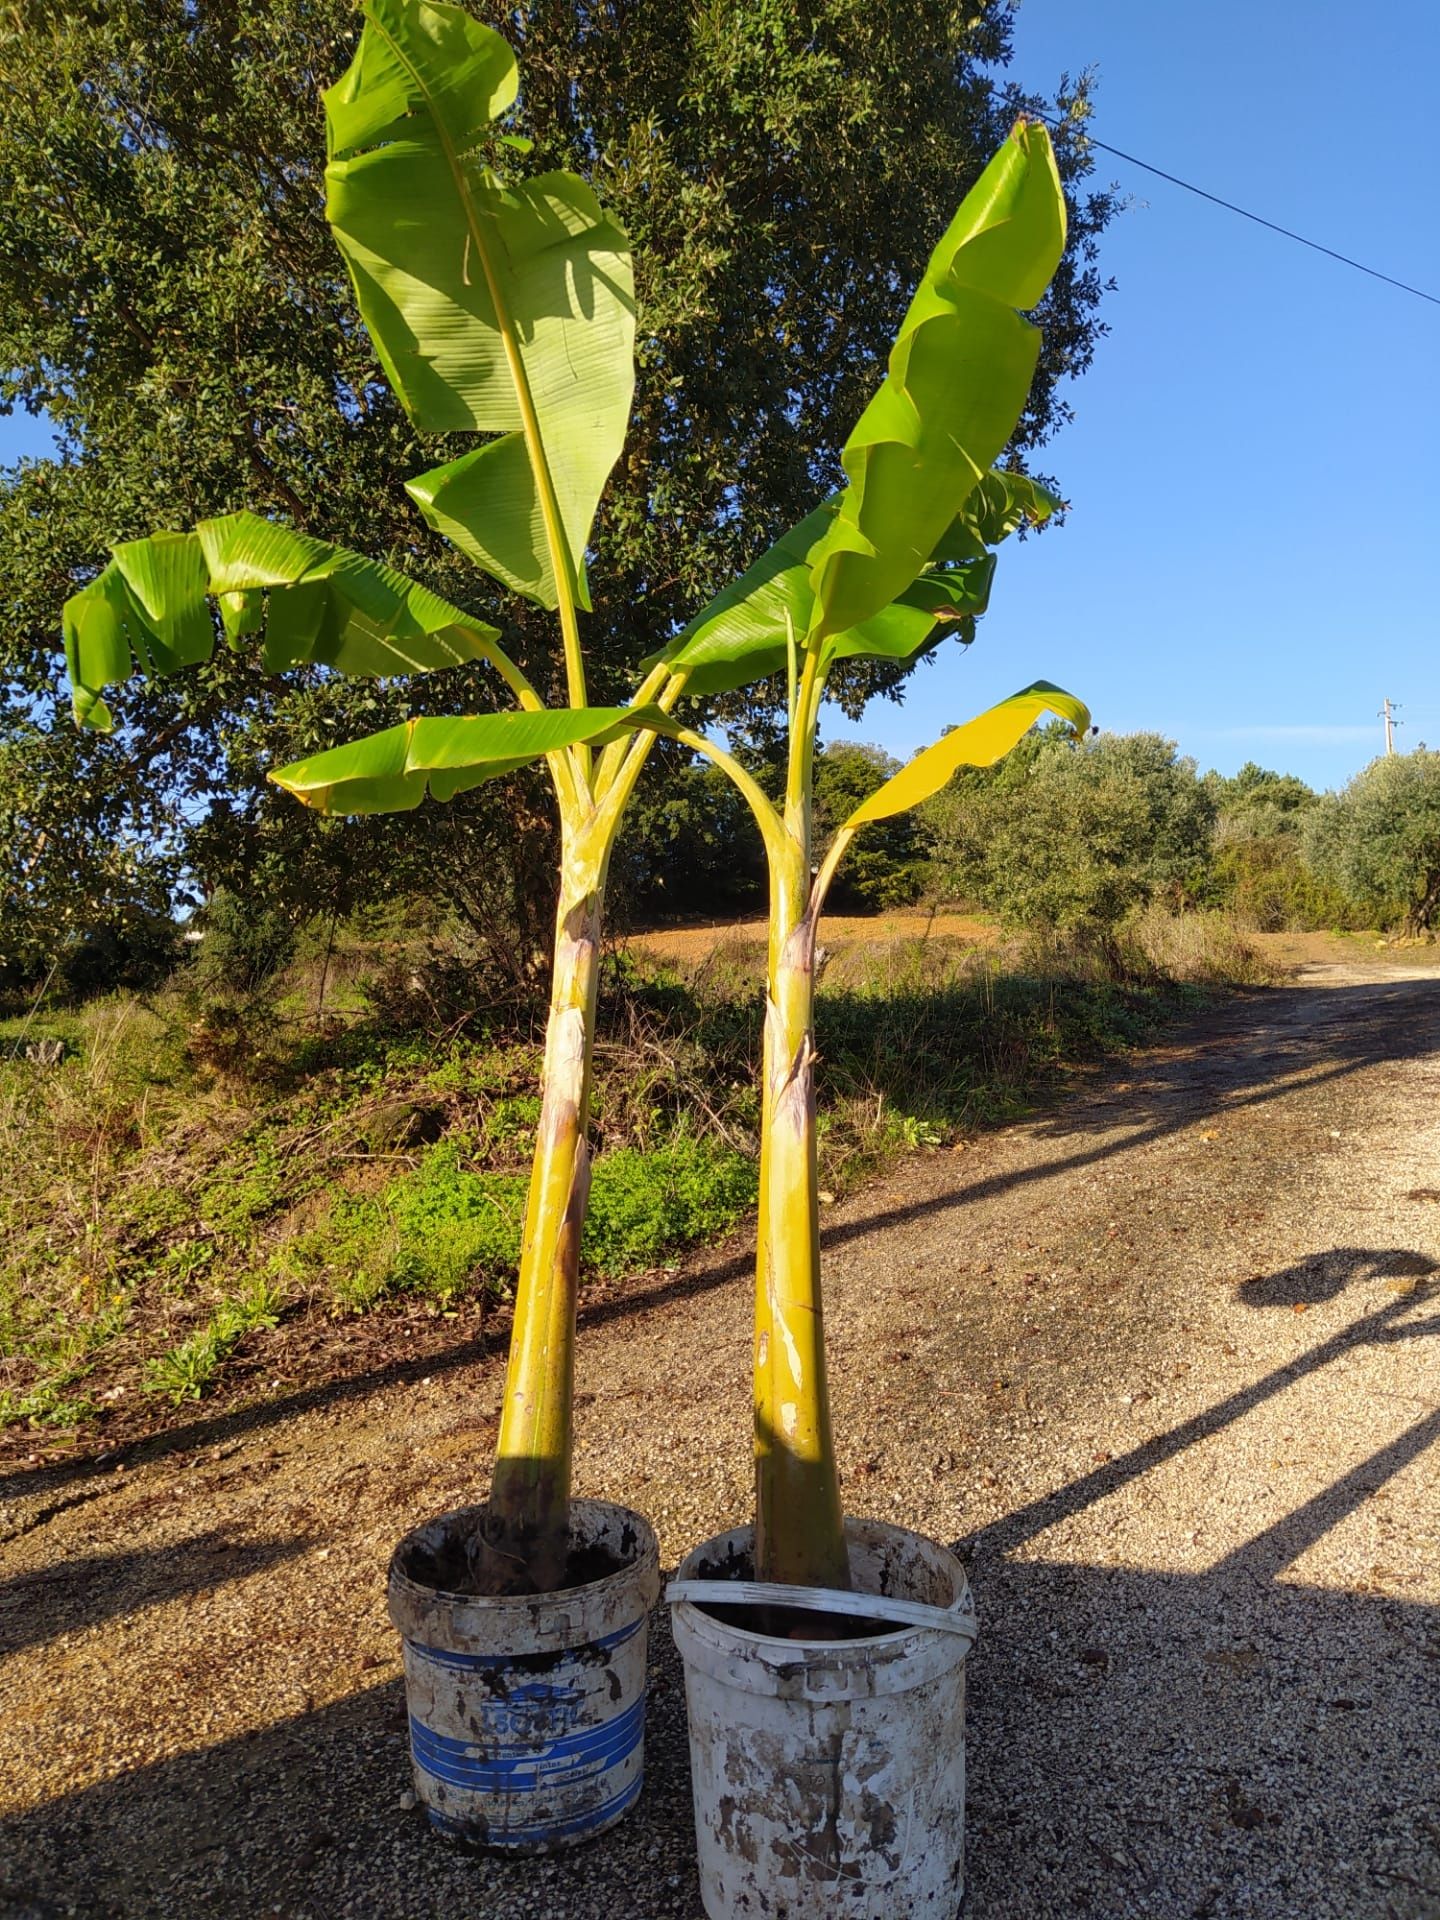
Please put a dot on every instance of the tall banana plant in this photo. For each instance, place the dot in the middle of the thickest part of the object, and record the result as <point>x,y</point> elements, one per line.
<point>505,307</point>
<point>919,509</point>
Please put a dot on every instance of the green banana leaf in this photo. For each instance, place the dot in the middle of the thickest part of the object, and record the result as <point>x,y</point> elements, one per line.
<point>741,635</point>
<point>148,605</point>
<point>732,646</point>
<point>391,772</point>
<point>319,605</point>
<point>495,307</point>
<point>1000,505</point>
<point>958,375</point>
<point>979,743</point>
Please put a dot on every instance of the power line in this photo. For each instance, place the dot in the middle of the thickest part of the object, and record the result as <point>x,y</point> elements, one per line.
<point>1245,214</point>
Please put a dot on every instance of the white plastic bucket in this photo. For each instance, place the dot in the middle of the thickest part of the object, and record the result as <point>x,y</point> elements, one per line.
<point>527,1715</point>
<point>829,1777</point>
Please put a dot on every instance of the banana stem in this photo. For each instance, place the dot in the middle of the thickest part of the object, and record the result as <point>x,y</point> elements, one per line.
<point>527,1521</point>
<point>799,1531</point>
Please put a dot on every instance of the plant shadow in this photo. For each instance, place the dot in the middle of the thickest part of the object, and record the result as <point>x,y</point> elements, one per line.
<point>54,1601</point>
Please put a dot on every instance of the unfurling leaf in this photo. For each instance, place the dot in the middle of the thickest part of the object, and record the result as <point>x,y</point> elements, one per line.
<point>957,379</point>
<point>1002,503</point>
<point>979,743</point>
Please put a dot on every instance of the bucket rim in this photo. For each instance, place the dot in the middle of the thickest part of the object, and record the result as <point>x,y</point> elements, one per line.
<point>644,1561</point>
<point>893,1649</point>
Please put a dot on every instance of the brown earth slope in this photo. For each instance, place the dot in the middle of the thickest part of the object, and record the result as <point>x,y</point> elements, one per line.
<point>1162,1361</point>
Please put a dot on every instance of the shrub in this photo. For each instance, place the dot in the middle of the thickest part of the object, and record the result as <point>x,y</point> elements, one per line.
<point>135,949</point>
<point>1069,837</point>
<point>1266,884</point>
<point>244,942</point>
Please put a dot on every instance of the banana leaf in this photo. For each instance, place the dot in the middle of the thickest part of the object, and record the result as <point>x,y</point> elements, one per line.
<point>393,771</point>
<point>495,307</point>
<point>979,743</point>
<point>319,605</point>
<point>741,635</point>
<point>957,379</point>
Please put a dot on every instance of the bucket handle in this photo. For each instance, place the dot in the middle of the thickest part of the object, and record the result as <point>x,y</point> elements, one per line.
<point>862,1606</point>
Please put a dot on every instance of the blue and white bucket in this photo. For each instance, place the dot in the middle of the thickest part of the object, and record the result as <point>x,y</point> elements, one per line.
<point>527,1715</point>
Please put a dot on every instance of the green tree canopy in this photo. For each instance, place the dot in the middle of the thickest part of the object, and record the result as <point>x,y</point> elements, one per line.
<point>1256,804</point>
<point>170,295</point>
<point>1074,836</point>
<point>886,865</point>
<point>1379,839</point>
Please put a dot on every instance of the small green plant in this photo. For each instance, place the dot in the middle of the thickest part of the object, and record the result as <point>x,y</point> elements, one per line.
<point>184,1263</point>
<point>187,1369</point>
<point>512,1121</point>
<point>45,1405</point>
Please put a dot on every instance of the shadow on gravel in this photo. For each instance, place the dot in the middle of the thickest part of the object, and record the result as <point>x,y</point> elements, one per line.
<point>41,1606</point>
<point>1175,1747</point>
<point>304,1818</point>
<point>1324,1276</point>
<point>1320,1277</point>
<point>1167,1747</point>
<point>1286,1038</point>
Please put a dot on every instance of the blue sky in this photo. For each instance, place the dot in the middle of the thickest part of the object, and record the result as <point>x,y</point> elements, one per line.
<point>1251,560</point>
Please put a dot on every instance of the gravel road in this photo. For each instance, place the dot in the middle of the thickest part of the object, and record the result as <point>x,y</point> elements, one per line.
<point>1162,1361</point>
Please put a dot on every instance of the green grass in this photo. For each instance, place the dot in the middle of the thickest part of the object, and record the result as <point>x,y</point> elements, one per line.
<point>452,1228</point>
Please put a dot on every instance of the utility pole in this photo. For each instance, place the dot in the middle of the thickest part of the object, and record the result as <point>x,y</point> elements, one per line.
<point>1387,714</point>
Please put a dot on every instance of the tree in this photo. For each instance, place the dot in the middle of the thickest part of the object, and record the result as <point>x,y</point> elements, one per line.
<point>1255,804</point>
<point>690,845</point>
<point>1075,835</point>
<point>1379,839</point>
<point>170,296</point>
<point>885,868</point>
<point>1256,868</point>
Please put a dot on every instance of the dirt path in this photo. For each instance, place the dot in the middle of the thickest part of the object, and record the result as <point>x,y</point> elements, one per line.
<point>1162,1361</point>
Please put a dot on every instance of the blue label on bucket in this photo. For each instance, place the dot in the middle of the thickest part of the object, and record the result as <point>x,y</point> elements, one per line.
<point>491,1764</point>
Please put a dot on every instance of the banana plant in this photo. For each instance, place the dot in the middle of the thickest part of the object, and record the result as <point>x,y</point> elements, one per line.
<point>919,506</point>
<point>505,307</point>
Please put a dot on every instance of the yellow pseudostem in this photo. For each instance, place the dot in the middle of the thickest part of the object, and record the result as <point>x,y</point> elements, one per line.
<point>799,1535</point>
<point>530,1493</point>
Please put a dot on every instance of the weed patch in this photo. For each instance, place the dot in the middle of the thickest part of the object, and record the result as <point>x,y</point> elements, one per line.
<point>184,1372</point>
